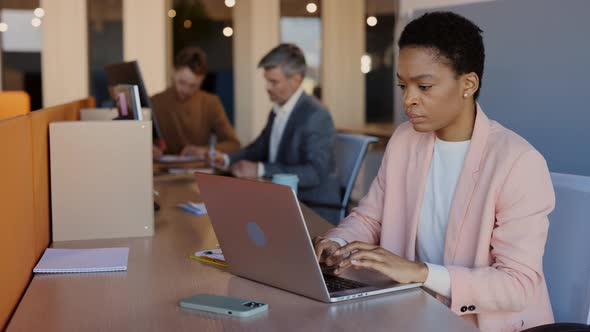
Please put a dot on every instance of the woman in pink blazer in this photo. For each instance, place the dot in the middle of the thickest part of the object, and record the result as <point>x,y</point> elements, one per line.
<point>460,203</point>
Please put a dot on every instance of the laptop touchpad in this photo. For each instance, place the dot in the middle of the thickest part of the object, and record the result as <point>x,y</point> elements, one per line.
<point>368,277</point>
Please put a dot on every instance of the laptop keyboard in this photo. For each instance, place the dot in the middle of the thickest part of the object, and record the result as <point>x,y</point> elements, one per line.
<point>337,284</point>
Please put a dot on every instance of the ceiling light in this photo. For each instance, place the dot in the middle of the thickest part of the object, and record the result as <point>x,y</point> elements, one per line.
<point>36,22</point>
<point>228,32</point>
<point>311,7</point>
<point>365,64</point>
<point>39,12</point>
<point>371,21</point>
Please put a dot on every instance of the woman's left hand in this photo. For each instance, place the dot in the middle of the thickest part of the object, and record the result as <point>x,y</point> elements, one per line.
<point>372,257</point>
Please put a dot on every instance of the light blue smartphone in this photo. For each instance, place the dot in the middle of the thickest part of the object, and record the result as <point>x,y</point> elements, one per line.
<point>224,305</point>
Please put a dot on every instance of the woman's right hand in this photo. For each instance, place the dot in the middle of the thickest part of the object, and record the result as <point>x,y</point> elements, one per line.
<point>324,248</point>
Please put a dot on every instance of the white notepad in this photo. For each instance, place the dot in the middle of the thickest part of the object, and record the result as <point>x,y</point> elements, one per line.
<point>83,260</point>
<point>170,158</point>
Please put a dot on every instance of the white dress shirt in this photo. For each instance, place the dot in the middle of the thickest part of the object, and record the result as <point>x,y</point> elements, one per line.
<point>282,114</point>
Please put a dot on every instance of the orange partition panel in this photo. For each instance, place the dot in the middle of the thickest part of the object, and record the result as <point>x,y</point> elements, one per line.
<point>14,103</point>
<point>16,213</point>
<point>40,124</point>
<point>24,197</point>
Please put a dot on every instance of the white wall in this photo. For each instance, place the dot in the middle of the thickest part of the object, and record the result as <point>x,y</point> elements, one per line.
<point>145,39</point>
<point>343,42</point>
<point>64,56</point>
<point>256,31</point>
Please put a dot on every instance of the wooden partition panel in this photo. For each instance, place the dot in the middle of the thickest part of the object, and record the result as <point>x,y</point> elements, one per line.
<point>40,132</point>
<point>17,249</point>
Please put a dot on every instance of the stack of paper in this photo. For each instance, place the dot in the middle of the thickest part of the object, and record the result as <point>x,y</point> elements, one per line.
<point>190,170</point>
<point>195,208</point>
<point>170,158</point>
<point>83,260</point>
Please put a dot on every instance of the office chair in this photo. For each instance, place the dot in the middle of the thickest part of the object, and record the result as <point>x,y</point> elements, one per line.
<point>350,151</point>
<point>14,103</point>
<point>566,262</point>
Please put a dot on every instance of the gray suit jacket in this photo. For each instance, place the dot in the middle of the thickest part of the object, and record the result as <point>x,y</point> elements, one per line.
<point>306,149</point>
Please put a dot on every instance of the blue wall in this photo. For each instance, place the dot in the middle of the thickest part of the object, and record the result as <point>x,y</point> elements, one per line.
<point>537,74</point>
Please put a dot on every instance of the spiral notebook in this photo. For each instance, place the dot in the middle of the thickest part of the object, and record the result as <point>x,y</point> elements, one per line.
<point>82,260</point>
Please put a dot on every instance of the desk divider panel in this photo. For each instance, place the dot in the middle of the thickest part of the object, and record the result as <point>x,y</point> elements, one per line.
<point>17,246</point>
<point>40,121</point>
<point>101,179</point>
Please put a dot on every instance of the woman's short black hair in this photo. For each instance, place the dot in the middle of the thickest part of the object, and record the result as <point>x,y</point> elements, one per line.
<point>452,36</point>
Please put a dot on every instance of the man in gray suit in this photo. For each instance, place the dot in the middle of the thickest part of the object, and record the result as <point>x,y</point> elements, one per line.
<point>298,137</point>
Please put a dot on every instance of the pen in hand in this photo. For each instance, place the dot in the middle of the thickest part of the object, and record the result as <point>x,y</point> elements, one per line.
<point>212,142</point>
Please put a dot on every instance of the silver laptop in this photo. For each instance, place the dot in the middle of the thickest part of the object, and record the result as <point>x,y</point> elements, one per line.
<point>263,236</point>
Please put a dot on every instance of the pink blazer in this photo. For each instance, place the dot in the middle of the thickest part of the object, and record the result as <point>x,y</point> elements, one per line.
<point>497,223</point>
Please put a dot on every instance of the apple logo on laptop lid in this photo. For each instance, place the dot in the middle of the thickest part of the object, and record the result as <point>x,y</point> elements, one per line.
<point>256,234</point>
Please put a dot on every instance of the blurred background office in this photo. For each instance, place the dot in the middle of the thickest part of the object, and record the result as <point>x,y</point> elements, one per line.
<point>534,80</point>
<point>82,36</point>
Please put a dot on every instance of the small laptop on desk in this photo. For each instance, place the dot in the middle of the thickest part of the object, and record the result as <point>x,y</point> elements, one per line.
<point>263,235</point>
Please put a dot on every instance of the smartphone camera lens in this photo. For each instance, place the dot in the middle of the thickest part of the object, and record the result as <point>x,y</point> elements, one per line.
<point>252,304</point>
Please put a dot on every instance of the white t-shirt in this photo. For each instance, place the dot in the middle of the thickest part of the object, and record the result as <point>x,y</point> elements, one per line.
<point>445,168</point>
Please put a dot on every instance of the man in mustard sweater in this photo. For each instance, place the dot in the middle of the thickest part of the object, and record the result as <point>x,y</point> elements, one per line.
<point>188,116</point>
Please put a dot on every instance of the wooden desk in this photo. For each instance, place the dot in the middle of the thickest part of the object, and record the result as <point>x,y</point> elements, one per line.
<point>145,298</point>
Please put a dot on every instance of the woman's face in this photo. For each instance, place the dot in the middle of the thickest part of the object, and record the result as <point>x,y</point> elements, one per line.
<point>433,94</point>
